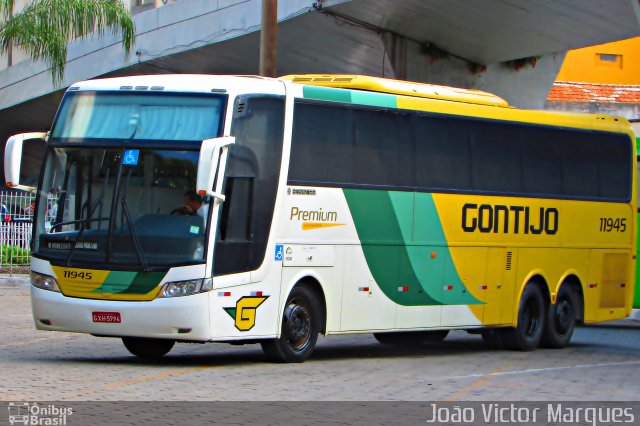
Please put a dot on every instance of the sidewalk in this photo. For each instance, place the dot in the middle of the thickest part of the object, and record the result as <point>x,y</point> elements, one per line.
<point>14,280</point>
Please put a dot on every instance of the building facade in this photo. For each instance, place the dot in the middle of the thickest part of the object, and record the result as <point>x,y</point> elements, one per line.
<point>600,79</point>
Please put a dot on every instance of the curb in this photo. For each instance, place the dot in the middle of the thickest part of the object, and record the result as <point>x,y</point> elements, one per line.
<point>14,280</point>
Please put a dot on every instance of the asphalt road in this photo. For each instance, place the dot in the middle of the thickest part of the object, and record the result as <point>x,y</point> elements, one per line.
<point>600,365</point>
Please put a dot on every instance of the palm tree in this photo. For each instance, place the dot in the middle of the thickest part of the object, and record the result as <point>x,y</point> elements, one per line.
<point>44,27</point>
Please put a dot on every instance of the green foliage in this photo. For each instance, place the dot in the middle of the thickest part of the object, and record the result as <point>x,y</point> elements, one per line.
<point>14,255</point>
<point>43,27</point>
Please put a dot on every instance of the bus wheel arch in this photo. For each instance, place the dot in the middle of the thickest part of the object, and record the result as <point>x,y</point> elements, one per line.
<point>314,285</point>
<point>303,318</point>
<point>563,315</point>
<point>575,284</point>
<point>532,313</point>
<point>537,278</point>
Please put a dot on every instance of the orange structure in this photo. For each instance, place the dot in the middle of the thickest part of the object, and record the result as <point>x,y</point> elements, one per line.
<point>611,63</point>
<point>601,79</point>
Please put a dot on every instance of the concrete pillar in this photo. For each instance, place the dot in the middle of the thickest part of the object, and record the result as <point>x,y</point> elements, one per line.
<point>524,84</point>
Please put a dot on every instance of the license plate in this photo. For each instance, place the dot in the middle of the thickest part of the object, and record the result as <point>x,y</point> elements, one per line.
<point>108,317</point>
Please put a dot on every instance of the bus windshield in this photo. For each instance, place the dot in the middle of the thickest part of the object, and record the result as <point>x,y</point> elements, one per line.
<point>120,169</point>
<point>121,207</point>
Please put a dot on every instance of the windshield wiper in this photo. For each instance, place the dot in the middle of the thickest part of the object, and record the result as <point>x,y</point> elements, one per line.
<point>134,236</point>
<point>85,223</point>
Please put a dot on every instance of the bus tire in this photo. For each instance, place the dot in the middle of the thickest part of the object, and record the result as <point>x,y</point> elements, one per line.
<point>300,327</point>
<point>561,319</point>
<point>527,334</point>
<point>148,348</point>
<point>411,338</point>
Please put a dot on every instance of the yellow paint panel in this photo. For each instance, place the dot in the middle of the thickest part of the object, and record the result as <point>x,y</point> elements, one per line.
<point>82,283</point>
<point>613,290</point>
<point>511,221</point>
<point>75,281</point>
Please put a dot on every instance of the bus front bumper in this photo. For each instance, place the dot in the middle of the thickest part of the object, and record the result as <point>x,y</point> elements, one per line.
<point>180,318</point>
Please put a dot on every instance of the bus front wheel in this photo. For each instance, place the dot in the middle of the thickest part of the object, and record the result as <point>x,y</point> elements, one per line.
<point>300,327</point>
<point>527,334</point>
<point>148,348</point>
<point>561,319</point>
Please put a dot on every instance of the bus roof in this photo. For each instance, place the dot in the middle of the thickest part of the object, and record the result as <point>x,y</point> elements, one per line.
<point>397,87</point>
<point>429,97</point>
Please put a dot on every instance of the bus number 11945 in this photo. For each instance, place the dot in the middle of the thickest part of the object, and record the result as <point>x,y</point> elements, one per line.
<point>610,224</point>
<point>77,275</point>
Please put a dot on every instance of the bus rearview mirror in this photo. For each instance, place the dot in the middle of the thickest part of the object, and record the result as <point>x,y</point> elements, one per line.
<point>211,166</point>
<point>13,156</point>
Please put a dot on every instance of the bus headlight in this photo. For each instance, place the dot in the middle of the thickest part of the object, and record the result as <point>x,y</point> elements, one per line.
<point>186,288</point>
<point>44,282</point>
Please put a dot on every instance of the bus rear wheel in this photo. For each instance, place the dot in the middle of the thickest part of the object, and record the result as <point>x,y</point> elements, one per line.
<point>411,338</point>
<point>148,348</point>
<point>527,334</point>
<point>561,319</point>
<point>300,327</point>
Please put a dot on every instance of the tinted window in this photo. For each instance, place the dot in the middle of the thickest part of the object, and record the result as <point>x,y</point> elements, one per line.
<point>382,149</point>
<point>580,164</point>
<point>541,162</point>
<point>496,157</point>
<point>441,153</point>
<point>322,151</point>
<point>336,145</point>
<point>615,168</point>
<point>354,146</point>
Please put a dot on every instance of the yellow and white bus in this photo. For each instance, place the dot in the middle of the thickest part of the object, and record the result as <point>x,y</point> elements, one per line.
<point>326,205</point>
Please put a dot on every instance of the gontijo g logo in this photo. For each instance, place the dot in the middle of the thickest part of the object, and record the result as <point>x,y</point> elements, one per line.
<point>245,311</point>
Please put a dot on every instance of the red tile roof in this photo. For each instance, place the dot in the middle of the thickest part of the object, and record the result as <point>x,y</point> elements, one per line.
<point>567,91</point>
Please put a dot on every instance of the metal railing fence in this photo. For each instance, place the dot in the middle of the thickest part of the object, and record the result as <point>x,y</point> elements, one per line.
<point>16,218</point>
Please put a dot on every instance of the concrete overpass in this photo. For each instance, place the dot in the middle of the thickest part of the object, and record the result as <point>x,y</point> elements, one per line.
<point>513,48</point>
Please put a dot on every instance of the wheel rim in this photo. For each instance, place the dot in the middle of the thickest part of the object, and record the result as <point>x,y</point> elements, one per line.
<point>563,317</point>
<point>296,328</point>
<point>532,318</point>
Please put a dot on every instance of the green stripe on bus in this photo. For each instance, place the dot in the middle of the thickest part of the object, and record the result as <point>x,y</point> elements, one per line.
<point>350,96</point>
<point>374,99</point>
<point>116,282</point>
<point>394,259</point>
<point>326,94</point>
<point>144,282</point>
<point>124,282</point>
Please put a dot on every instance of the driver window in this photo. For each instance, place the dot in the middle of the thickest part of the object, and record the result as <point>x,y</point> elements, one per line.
<point>251,182</point>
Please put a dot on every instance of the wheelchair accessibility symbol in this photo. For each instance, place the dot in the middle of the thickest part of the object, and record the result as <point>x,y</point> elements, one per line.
<point>279,253</point>
<point>130,157</point>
